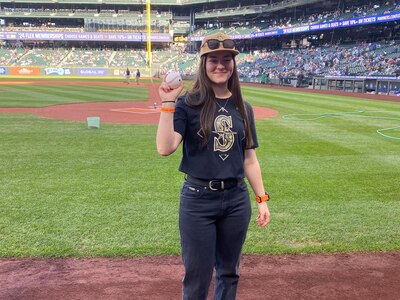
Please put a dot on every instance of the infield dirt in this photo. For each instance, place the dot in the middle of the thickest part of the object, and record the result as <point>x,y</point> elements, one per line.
<point>335,276</point>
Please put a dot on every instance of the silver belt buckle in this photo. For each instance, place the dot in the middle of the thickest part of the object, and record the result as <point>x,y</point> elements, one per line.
<point>210,183</point>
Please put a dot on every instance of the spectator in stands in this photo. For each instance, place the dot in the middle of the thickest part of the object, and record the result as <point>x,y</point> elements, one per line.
<point>300,78</point>
<point>280,77</point>
<point>263,78</point>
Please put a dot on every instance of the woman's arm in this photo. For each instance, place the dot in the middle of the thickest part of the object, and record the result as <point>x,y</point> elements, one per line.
<point>167,139</point>
<point>252,172</point>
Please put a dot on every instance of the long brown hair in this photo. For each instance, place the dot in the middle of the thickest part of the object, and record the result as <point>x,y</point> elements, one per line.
<point>202,94</point>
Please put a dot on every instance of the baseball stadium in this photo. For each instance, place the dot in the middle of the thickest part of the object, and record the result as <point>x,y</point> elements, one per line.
<point>89,209</point>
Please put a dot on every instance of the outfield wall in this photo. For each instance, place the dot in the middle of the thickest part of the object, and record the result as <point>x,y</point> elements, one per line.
<point>70,71</point>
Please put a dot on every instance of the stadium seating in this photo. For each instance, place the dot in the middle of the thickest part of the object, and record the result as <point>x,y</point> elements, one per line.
<point>361,58</point>
<point>43,57</point>
<point>8,57</point>
<point>88,58</point>
<point>129,58</point>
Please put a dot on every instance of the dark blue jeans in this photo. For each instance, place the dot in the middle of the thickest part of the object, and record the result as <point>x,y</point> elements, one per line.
<point>213,227</point>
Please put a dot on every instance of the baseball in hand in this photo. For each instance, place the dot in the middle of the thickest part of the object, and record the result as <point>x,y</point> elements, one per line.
<point>173,79</point>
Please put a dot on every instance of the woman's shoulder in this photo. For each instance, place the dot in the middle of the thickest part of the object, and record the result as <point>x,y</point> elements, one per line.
<point>181,101</point>
<point>248,107</point>
<point>180,98</point>
<point>185,103</point>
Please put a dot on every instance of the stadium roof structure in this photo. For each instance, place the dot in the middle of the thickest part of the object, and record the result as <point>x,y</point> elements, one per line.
<point>271,3</point>
<point>253,9</point>
<point>228,9</point>
<point>130,2</point>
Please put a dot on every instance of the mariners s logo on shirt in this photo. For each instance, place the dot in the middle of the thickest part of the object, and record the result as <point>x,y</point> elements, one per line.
<point>225,137</point>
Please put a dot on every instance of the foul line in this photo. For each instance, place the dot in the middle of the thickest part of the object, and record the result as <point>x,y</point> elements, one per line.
<point>312,117</point>
<point>15,82</point>
<point>137,110</point>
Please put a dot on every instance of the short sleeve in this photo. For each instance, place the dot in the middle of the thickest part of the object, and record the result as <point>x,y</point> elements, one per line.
<point>180,116</point>
<point>250,114</point>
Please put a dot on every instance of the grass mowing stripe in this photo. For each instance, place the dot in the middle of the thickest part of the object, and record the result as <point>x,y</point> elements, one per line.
<point>342,101</point>
<point>20,96</point>
<point>326,106</point>
<point>288,102</point>
<point>43,95</point>
<point>52,95</point>
<point>82,93</point>
<point>350,132</point>
<point>318,226</point>
<point>352,96</point>
<point>311,104</point>
<point>349,121</point>
<point>47,95</point>
<point>94,93</point>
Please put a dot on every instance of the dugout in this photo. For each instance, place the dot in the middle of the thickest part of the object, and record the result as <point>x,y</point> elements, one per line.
<point>358,84</point>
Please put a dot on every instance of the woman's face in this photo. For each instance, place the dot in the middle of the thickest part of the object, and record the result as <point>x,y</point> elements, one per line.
<point>219,66</point>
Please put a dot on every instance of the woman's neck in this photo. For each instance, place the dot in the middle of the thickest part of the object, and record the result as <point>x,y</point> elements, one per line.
<point>222,92</point>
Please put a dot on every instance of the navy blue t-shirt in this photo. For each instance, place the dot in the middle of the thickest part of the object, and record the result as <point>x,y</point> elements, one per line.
<point>223,156</point>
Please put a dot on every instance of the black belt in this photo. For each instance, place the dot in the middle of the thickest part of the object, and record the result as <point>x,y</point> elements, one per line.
<point>215,184</point>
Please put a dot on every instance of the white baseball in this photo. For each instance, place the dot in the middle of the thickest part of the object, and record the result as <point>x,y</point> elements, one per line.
<point>173,79</point>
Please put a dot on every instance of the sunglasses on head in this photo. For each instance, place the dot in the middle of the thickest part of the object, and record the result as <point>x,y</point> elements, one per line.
<point>214,44</point>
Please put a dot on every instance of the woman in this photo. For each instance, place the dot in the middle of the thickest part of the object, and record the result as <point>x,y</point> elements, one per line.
<point>219,141</point>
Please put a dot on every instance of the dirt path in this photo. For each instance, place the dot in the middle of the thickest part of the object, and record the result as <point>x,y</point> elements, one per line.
<point>336,276</point>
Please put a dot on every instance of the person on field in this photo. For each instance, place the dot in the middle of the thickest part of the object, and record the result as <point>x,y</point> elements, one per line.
<point>137,76</point>
<point>217,129</point>
<point>127,76</point>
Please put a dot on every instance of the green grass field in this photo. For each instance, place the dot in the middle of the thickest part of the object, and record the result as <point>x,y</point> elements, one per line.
<point>35,95</point>
<point>70,191</point>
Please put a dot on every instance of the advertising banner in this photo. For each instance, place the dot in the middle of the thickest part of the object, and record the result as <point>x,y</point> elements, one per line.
<point>83,36</point>
<point>92,72</point>
<point>25,71</point>
<point>313,27</point>
<point>3,71</point>
<point>57,71</point>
